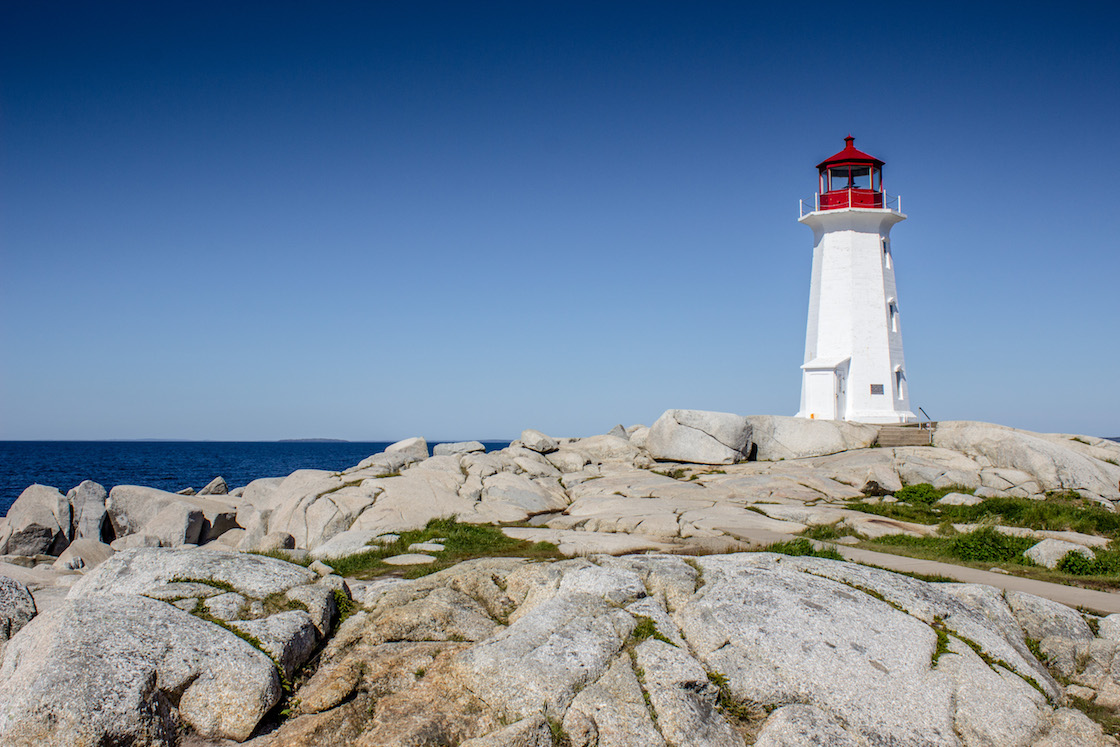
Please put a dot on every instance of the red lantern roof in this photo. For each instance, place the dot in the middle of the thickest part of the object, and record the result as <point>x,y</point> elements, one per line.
<point>849,155</point>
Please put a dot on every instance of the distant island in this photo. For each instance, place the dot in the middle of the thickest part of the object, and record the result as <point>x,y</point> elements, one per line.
<point>313,441</point>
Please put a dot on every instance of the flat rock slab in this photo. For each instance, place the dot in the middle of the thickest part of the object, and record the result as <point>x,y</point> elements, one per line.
<point>142,570</point>
<point>426,547</point>
<point>573,542</point>
<point>411,558</point>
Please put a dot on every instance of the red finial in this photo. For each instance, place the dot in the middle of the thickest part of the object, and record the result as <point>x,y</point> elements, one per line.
<point>849,141</point>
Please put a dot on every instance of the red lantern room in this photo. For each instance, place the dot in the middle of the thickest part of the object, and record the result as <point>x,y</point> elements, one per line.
<point>851,178</point>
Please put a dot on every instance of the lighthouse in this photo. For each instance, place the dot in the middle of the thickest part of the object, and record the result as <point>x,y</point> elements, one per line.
<point>854,368</point>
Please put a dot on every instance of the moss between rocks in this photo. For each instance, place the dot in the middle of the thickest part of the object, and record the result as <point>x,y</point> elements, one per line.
<point>460,541</point>
<point>223,585</point>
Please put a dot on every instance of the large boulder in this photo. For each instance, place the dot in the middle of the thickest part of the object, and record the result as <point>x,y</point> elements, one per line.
<point>87,502</point>
<point>411,500</point>
<point>37,523</point>
<point>113,670</point>
<point>1056,463</point>
<point>217,486</point>
<point>131,507</point>
<point>780,437</point>
<point>413,449</point>
<point>17,607</point>
<point>1049,552</point>
<point>700,437</point>
<point>176,524</point>
<point>538,442</point>
<point>458,447</point>
<point>312,506</point>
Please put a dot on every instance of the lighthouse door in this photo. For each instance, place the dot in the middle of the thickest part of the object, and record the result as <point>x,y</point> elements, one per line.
<point>841,393</point>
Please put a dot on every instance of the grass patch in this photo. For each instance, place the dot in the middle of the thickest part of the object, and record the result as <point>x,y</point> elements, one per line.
<point>223,585</point>
<point>279,602</point>
<point>985,547</point>
<point>942,643</point>
<point>802,547</point>
<point>1106,717</point>
<point>746,714</point>
<point>677,473</point>
<point>344,606</point>
<point>827,532</point>
<point>283,555</point>
<point>560,737</point>
<point>647,628</point>
<point>460,541</point>
<point>1061,512</point>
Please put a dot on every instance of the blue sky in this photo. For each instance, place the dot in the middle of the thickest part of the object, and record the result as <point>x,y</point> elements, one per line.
<point>378,220</point>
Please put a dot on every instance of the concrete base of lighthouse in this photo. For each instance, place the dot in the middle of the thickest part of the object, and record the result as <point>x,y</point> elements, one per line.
<point>854,367</point>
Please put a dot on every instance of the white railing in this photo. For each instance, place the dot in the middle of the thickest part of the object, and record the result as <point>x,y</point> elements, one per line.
<point>806,206</point>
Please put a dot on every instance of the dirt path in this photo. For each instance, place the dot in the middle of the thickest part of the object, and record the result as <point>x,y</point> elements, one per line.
<point>1089,599</point>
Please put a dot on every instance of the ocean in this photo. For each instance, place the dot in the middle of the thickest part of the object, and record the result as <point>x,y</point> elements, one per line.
<point>169,465</point>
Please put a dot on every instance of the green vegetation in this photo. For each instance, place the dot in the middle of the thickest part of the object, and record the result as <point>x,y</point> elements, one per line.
<point>560,737</point>
<point>279,602</point>
<point>344,606</point>
<point>1103,715</point>
<point>1106,563</point>
<point>676,473</point>
<point>286,555</point>
<point>223,585</point>
<point>942,642</point>
<point>802,547</point>
<point>461,542</point>
<point>921,494</point>
<point>826,532</point>
<point>732,707</point>
<point>986,545</point>
<point>647,628</point>
<point>1060,512</point>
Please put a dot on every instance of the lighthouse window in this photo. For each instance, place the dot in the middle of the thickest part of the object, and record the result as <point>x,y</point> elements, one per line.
<point>894,318</point>
<point>840,179</point>
<point>861,178</point>
<point>876,388</point>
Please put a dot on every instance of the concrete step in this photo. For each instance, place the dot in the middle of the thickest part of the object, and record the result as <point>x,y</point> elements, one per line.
<point>904,435</point>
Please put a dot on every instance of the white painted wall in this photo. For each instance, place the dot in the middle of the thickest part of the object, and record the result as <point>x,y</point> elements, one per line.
<point>852,297</point>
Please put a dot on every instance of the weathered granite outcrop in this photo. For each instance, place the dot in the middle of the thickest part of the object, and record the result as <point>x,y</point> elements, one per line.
<point>780,437</point>
<point>1055,462</point>
<point>87,502</point>
<point>132,655</point>
<point>17,607</point>
<point>131,508</point>
<point>127,670</point>
<point>38,522</point>
<point>700,437</point>
<point>656,650</point>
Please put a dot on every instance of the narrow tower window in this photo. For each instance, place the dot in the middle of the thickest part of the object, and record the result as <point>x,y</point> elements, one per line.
<point>898,384</point>
<point>886,253</point>
<point>894,318</point>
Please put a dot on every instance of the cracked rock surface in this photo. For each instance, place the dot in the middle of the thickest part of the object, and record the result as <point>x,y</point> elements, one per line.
<point>663,650</point>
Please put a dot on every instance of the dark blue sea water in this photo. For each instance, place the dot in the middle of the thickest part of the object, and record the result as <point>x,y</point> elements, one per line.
<point>168,465</point>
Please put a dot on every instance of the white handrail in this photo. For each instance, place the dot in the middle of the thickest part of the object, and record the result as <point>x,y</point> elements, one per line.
<point>887,200</point>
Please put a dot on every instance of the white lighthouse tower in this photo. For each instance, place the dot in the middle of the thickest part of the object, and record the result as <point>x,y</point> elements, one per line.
<point>854,368</point>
